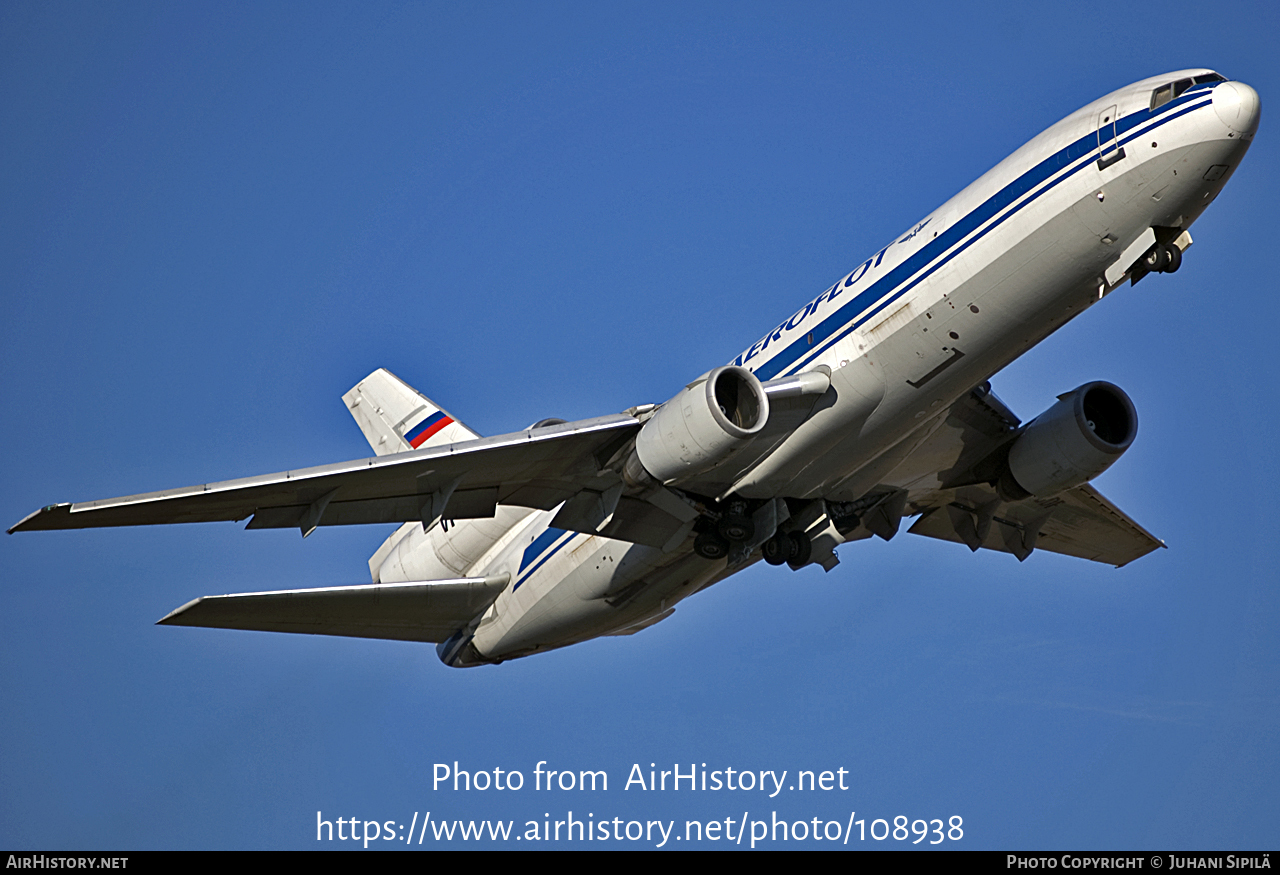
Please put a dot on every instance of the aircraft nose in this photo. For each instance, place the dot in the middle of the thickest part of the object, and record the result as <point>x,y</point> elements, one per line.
<point>1238,106</point>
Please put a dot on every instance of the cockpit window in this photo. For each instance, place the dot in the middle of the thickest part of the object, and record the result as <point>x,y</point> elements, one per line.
<point>1166,93</point>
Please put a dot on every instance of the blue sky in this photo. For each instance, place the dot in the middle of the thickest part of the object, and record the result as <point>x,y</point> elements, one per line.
<point>215,220</point>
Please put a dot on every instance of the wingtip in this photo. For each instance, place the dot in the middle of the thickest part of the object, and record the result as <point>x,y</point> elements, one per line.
<point>24,523</point>
<point>171,618</point>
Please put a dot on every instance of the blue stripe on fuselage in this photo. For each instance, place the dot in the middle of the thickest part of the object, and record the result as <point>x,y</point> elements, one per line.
<point>813,341</point>
<point>543,543</point>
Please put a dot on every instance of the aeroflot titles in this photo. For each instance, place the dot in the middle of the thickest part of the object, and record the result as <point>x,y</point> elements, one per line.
<point>802,315</point>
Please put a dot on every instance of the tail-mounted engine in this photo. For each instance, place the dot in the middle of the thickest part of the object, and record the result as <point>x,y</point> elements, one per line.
<point>701,426</point>
<point>1071,443</point>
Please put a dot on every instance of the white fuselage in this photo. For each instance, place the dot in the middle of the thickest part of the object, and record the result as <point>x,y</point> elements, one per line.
<point>943,307</point>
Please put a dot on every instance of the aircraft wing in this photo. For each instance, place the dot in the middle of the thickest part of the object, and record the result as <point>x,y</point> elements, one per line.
<point>1079,522</point>
<point>538,468</point>
<point>418,611</point>
<point>955,505</point>
<point>566,463</point>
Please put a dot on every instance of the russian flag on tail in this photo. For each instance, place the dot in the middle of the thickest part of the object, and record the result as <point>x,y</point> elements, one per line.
<point>425,429</point>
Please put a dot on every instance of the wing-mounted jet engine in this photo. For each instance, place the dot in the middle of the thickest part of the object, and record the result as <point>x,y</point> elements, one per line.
<point>700,427</point>
<point>716,424</point>
<point>1069,444</point>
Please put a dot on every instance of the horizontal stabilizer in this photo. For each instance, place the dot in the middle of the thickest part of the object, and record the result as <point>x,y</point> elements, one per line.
<point>417,611</point>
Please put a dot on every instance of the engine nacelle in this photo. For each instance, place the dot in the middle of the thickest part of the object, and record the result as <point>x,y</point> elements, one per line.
<point>702,425</point>
<point>1072,442</point>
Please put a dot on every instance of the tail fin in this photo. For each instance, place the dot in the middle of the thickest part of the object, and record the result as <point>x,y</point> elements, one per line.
<point>396,418</point>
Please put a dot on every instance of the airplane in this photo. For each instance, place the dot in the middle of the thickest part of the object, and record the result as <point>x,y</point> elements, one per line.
<point>870,404</point>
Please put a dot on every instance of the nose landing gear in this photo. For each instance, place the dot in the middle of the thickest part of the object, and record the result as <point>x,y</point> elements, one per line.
<point>1162,258</point>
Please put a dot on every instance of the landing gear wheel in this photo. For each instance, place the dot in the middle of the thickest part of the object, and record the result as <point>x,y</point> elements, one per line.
<point>709,545</point>
<point>778,549</point>
<point>1156,260</point>
<point>736,527</point>
<point>802,549</point>
<point>1175,259</point>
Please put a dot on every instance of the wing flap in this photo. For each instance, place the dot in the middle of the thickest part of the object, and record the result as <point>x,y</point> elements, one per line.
<point>428,611</point>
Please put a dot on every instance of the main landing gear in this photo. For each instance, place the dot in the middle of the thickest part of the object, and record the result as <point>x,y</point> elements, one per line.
<point>709,545</point>
<point>793,548</point>
<point>736,526</point>
<point>716,539</point>
<point>734,534</point>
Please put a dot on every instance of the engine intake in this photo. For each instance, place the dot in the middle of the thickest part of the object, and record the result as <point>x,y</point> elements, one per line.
<point>1071,443</point>
<point>703,425</point>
